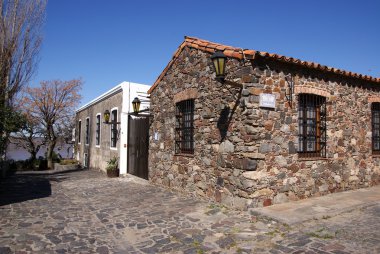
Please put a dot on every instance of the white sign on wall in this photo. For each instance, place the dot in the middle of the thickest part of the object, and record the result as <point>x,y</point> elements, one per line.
<point>267,100</point>
<point>155,137</point>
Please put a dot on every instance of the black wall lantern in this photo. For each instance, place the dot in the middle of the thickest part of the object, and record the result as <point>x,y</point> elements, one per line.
<point>136,105</point>
<point>219,60</point>
<point>106,116</point>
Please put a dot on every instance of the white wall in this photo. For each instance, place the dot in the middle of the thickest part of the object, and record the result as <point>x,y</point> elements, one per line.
<point>130,91</point>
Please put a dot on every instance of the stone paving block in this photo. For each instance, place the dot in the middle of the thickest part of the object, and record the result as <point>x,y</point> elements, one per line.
<point>86,212</point>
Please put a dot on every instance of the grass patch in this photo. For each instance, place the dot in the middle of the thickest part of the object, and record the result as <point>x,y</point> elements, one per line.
<point>196,244</point>
<point>286,226</point>
<point>273,233</point>
<point>68,162</point>
<point>321,234</point>
<point>215,208</point>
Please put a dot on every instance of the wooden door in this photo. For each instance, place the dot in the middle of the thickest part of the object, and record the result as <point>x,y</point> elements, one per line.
<point>138,142</point>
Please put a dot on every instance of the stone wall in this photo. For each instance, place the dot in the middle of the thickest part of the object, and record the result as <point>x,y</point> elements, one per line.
<point>98,155</point>
<point>246,156</point>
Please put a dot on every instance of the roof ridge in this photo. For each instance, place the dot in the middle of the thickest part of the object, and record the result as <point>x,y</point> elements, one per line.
<point>239,53</point>
<point>308,64</point>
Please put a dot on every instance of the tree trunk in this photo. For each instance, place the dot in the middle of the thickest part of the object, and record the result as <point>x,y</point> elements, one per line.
<point>32,149</point>
<point>49,155</point>
<point>33,155</point>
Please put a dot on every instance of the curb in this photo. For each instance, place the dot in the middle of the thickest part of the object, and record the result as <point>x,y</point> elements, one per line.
<point>48,172</point>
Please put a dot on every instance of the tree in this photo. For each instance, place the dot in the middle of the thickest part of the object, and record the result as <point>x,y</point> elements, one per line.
<point>20,42</point>
<point>53,105</point>
<point>11,121</point>
<point>30,136</point>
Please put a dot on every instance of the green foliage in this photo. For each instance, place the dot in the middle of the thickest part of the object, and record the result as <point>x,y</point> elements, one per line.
<point>11,120</point>
<point>68,162</point>
<point>112,164</point>
<point>56,157</point>
<point>24,165</point>
<point>43,165</point>
<point>322,234</point>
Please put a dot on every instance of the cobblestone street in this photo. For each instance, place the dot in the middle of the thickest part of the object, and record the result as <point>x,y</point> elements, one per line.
<point>86,212</point>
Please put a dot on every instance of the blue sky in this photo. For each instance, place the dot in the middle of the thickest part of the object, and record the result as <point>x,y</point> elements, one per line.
<point>110,41</point>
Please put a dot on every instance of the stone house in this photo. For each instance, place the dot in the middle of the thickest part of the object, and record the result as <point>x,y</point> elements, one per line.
<point>277,128</point>
<point>97,142</point>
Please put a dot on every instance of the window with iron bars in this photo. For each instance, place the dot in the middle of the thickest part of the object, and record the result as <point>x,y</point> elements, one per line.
<point>97,137</point>
<point>375,109</point>
<point>184,131</point>
<point>113,128</point>
<point>311,125</point>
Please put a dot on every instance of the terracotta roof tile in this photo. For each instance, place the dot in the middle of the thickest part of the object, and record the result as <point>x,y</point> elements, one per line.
<point>237,53</point>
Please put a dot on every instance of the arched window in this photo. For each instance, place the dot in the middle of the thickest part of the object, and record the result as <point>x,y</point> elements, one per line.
<point>311,125</point>
<point>113,128</point>
<point>79,130</point>
<point>87,131</point>
<point>97,132</point>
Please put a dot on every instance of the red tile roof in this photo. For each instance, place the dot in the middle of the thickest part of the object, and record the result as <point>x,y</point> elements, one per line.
<point>239,53</point>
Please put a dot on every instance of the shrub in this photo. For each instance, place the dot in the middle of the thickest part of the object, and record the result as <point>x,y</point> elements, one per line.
<point>68,162</point>
<point>56,157</point>
<point>112,164</point>
<point>43,165</point>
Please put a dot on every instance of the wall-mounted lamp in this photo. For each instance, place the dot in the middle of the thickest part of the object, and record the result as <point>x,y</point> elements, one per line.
<point>219,60</point>
<point>106,116</point>
<point>136,105</point>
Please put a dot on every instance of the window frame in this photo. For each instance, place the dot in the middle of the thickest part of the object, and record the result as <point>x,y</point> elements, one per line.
<point>375,127</point>
<point>184,127</point>
<point>79,131</point>
<point>312,126</point>
<point>98,130</point>
<point>113,129</point>
<point>87,137</point>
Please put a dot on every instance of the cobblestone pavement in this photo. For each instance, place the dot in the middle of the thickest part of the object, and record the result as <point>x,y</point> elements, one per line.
<point>85,212</point>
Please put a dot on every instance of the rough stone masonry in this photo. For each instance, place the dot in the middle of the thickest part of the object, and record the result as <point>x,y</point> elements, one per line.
<point>245,155</point>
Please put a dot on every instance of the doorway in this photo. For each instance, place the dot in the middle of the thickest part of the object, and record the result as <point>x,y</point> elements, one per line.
<point>138,143</point>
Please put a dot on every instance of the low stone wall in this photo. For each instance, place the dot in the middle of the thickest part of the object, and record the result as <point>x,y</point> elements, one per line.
<point>59,167</point>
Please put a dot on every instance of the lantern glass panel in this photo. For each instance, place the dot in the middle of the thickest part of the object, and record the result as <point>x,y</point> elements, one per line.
<point>216,66</point>
<point>221,66</point>
<point>106,116</point>
<point>136,105</point>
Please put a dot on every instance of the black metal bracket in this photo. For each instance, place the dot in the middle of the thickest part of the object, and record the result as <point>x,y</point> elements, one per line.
<point>232,83</point>
<point>112,122</point>
<point>290,89</point>
<point>141,111</point>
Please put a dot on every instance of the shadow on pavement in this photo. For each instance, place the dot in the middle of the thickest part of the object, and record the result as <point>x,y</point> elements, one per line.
<point>19,188</point>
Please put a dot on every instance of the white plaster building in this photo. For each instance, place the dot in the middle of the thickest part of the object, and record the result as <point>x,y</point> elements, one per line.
<point>96,141</point>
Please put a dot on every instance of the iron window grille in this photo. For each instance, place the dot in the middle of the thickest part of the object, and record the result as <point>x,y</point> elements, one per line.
<point>79,131</point>
<point>375,109</point>
<point>184,131</point>
<point>312,126</point>
<point>97,135</point>
<point>87,131</point>
<point>113,128</point>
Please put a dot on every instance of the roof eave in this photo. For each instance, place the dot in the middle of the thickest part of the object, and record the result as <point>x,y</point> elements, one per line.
<point>238,53</point>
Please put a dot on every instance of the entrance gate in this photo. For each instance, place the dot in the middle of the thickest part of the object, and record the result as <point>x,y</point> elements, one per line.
<point>138,142</point>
